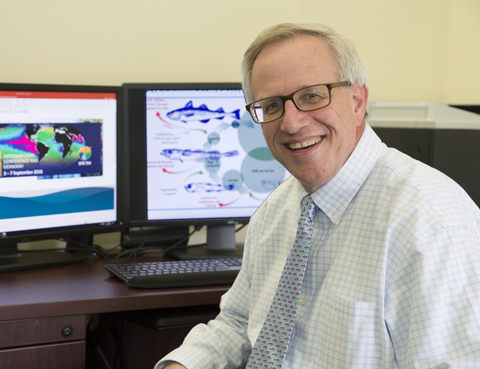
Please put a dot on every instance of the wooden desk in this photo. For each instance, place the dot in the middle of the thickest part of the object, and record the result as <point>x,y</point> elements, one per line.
<point>36,306</point>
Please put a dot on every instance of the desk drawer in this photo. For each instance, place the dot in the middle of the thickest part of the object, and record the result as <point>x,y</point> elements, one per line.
<point>27,332</point>
<point>70,355</point>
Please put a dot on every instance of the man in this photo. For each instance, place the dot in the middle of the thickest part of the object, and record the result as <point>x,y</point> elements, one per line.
<point>393,274</point>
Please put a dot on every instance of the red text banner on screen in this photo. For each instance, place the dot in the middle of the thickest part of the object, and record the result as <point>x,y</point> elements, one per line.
<point>56,95</point>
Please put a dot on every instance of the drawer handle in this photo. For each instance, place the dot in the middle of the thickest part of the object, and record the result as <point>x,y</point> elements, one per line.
<point>67,331</point>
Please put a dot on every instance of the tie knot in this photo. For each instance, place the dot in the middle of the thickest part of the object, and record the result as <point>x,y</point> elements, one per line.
<point>308,206</point>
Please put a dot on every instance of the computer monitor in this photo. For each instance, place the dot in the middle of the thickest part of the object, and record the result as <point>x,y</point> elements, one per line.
<point>58,168</point>
<point>195,157</point>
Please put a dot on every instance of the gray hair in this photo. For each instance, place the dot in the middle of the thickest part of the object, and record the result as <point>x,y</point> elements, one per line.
<point>349,65</point>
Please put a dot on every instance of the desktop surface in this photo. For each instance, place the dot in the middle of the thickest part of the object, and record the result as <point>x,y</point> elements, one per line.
<point>85,288</point>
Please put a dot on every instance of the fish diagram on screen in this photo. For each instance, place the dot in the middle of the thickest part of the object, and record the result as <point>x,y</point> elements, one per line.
<point>259,171</point>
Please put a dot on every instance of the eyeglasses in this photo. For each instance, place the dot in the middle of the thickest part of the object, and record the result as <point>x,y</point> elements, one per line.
<point>306,99</point>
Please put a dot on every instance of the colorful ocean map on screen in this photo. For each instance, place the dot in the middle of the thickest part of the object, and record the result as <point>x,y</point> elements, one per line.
<point>51,150</point>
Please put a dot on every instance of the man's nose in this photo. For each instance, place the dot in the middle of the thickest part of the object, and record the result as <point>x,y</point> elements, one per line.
<point>293,119</point>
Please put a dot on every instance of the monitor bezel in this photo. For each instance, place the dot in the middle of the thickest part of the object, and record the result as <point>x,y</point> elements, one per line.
<point>135,201</point>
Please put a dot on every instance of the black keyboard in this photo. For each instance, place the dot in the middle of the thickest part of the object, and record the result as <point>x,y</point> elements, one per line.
<point>178,273</point>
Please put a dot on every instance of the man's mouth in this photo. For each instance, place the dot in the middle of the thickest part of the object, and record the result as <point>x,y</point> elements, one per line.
<point>305,145</point>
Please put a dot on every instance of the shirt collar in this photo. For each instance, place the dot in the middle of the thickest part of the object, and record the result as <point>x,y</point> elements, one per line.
<point>334,197</point>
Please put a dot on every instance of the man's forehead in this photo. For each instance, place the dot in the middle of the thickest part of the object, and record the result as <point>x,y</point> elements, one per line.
<point>286,66</point>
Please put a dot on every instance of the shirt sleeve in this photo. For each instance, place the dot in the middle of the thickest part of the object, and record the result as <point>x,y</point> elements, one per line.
<point>223,342</point>
<point>432,309</point>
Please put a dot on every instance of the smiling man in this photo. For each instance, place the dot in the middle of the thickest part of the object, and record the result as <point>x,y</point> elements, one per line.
<point>388,274</point>
<point>312,145</point>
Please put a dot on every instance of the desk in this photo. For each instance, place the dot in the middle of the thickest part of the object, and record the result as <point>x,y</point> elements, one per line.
<point>35,306</point>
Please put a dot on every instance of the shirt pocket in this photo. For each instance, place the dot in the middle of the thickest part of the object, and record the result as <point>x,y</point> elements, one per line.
<point>346,333</point>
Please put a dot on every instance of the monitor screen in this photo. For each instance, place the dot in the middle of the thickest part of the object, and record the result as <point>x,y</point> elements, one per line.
<point>196,158</point>
<point>58,161</point>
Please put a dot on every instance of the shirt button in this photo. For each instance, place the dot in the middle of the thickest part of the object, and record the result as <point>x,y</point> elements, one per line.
<point>335,217</point>
<point>302,302</point>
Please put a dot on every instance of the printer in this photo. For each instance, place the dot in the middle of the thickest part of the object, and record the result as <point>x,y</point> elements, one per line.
<point>442,136</point>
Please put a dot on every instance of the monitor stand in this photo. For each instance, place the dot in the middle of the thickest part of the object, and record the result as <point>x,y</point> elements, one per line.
<point>11,259</point>
<point>220,244</point>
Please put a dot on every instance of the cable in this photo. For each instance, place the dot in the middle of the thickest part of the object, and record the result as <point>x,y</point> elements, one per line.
<point>99,359</point>
<point>127,254</point>
<point>122,256</point>
<point>240,228</point>
<point>145,249</point>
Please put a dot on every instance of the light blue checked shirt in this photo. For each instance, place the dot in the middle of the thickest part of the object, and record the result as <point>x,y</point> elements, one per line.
<point>393,277</point>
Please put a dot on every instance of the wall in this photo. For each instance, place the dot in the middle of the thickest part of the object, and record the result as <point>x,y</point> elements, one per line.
<point>420,50</point>
<point>463,77</point>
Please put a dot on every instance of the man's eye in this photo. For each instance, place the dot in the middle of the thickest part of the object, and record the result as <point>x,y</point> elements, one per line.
<point>312,97</point>
<point>271,107</point>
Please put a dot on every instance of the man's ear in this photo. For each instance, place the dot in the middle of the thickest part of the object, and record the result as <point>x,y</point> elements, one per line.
<point>359,100</point>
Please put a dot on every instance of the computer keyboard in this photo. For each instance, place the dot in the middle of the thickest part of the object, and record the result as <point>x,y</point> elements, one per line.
<point>177,273</point>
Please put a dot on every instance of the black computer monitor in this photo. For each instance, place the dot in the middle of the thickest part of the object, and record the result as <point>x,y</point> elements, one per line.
<point>195,157</point>
<point>58,168</point>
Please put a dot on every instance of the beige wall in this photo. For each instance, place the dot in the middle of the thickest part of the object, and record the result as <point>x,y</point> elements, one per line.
<point>419,50</point>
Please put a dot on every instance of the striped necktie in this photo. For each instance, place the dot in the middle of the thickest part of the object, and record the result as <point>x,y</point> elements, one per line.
<point>271,346</point>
